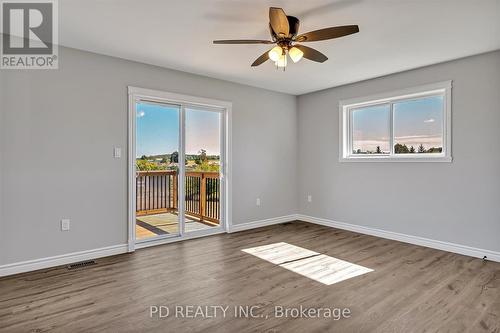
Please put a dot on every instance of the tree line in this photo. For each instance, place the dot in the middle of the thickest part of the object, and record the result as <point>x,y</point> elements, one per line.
<point>404,149</point>
<point>168,161</point>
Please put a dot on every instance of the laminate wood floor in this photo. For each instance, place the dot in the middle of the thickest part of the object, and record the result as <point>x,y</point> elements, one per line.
<point>410,288</point>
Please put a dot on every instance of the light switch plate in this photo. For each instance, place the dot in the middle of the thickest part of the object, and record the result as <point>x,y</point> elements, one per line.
<point>117,152</point>
<point>65,224</point>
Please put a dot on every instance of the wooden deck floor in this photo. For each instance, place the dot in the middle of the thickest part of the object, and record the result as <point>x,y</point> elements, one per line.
<point>411,288</point>
<point>165,223</point>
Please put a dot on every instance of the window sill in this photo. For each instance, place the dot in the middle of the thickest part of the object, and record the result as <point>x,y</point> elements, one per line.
<point>420,159</point>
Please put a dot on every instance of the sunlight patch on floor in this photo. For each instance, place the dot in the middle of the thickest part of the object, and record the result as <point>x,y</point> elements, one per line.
<point>313,265</point>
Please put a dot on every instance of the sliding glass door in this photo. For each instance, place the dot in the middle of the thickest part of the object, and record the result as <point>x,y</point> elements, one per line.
<point>157,170</point>
<point>178,183</point>
<point>203,168</point>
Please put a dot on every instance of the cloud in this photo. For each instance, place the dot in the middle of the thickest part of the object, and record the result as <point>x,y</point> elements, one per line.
<point>415,140</point>
<point>140,114</point>
<point>409,137</point>
<point>431,120</point>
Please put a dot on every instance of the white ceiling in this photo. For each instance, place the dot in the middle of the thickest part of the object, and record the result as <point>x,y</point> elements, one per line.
<point>395,35</point>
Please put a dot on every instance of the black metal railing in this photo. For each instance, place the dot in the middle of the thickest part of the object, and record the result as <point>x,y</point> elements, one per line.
<point>203,195</point>
<point>156,191</point>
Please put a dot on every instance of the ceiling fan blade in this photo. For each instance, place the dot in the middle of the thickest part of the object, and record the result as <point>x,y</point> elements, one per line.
<point>328,33</point>
<point>279,21</point>
<point>293,26</point>
<point>312,54</point>
<point>243,41</point>
<point>262,59</point>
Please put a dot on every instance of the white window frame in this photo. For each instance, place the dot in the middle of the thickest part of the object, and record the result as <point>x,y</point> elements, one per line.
<point>345,123</point>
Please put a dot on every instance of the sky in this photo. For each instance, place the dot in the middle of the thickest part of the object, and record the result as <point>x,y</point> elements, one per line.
<point>158,130</point>
<point>415,122</point>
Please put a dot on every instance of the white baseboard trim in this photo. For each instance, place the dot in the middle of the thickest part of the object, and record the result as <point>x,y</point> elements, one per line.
<point>36,264</point>
<point>432,243</point>
<point>262,223</point>
<point>64,259</point>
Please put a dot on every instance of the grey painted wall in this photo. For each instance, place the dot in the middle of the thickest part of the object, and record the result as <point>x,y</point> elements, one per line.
<point>58,128</point>
<point>57,132</point>
<point>455,202</point>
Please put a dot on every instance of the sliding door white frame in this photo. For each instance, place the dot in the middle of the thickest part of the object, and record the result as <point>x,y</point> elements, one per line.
<point>184,101</point>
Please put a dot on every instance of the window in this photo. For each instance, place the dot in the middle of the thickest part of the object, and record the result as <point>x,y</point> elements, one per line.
<point>371,128</point>
<point>407,125</point>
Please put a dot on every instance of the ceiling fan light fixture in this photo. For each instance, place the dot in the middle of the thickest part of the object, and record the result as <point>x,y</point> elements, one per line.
<point>295,54</point>
<point>284,34</point>
<point>282,61</point>
<point>275,53</point>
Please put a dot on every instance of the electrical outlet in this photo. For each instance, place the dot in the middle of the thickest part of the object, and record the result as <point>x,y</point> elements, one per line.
<point>257,202</point>
<point>309,198</point>
<point>117,152</point>
<point>65,224</point>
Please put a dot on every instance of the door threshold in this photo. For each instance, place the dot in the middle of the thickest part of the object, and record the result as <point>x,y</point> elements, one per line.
<point>167,240</point>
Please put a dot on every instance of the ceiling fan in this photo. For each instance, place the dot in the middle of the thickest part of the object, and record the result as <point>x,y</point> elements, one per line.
<point>284,32</point>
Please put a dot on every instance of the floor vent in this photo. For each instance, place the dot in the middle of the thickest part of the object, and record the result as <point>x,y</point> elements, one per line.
<point>82,264</point>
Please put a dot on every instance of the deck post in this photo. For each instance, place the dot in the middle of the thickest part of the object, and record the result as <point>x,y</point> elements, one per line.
<point>203,191</point>
<point>174,188</point>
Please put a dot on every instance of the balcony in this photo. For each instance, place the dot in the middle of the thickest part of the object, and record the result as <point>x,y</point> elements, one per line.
<point>157,202</point>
